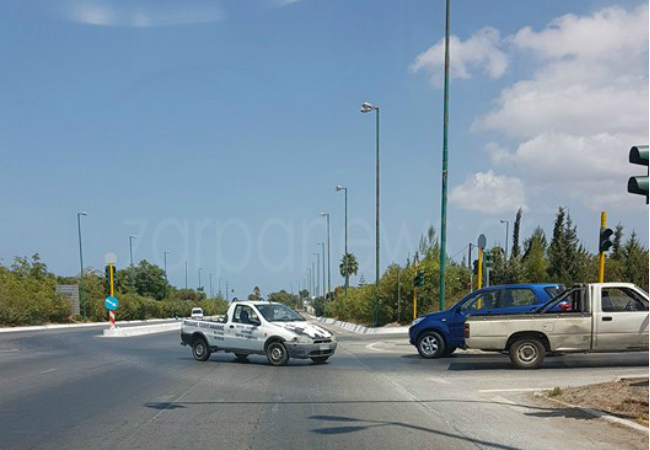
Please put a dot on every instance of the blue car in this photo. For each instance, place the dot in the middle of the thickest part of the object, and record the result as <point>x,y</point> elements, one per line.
<point>441,333</point>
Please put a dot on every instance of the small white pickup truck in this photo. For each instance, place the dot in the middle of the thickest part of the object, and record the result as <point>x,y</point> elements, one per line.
<point>600,317</point>
<point>259,328</point>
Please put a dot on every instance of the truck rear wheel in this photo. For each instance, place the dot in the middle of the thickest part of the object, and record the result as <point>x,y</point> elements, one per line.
<point>277,354</point>
<point>431,345</point>
<point>527,353</point>
<point>200,349</point>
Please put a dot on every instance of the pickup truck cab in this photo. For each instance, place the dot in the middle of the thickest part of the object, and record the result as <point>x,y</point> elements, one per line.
<point>600,317</point>
<point>259,328</point>
<point>197,313</point>
<point>441,333</point>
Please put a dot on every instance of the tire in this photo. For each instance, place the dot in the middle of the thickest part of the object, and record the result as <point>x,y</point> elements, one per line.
<point>320,359</point>
<point>527,353</point>
<point>277,354</point>
<point>200,349</point>
<point>241,357</point>
<point>449,351</point>
<point>431,345</point>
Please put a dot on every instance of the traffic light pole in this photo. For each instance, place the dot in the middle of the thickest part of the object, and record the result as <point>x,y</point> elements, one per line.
<point>601,259</point>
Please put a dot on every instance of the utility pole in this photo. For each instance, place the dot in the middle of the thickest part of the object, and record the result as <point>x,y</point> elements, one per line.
<point>470,263</point>
<point>329,255</point>
<point>445,169</point>
<point>133,236</point>
<point>82,278</point>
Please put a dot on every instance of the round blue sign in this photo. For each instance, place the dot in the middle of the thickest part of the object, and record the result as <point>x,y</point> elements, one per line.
<point>111,303</point>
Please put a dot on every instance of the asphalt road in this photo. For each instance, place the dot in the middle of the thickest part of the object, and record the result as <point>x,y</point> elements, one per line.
<point>75,390</point>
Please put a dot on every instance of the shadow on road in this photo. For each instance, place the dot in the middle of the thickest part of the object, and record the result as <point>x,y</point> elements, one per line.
<point>364,424</point>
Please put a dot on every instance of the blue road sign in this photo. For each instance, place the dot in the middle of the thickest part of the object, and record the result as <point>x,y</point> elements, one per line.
<point>111,303</point>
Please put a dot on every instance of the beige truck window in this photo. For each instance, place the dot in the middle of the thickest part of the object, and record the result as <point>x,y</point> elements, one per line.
<point>622,300</point>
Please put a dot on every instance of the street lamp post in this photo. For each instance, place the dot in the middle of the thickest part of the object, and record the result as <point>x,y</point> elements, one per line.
<point>507,222</point>
<point>345,253</point>
<point>329,259</point>
<point>365,108</point>
<point>317,277</point>
<point>322,244</point>
<point>165,261</point>
<point>185,274</point>
<point>211,294</point>
<point>445,165</point>
<point>311,293</point>
<point>200,269</point>
<point>82,281</point>
<point>133,236</point>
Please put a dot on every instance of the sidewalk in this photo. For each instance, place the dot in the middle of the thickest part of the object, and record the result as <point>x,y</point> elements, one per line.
<point>58,326</point>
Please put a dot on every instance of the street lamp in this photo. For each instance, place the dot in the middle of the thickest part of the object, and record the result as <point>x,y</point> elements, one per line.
<point>322,244</point>
<point>366,108</point>
<point>507,222</point>
<point>329,259</point>
<point>165,261</point>
<point>133,236</point>
<point>82,282</point>
<point>345,254</point>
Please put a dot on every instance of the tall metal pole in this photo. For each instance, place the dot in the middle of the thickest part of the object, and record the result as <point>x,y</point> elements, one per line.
<point>318,284</point>
<point>220,294</point>
<point>377,228</point>
<point>507,222</point>
<point>329,255</point>
<point>322,244</point>
<point>601,256</point>
<point>82,281</point>
<point>185,274</point>
<point>445,174</point>
<point>211,292</point>
<point>200,269</point>
<point>345,253</point>
<point>133,236</point>
<point>165,261</point>
<point>471,269</point>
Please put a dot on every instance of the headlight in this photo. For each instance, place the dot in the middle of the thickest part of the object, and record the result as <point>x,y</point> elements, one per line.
<point>416,321</point>
<point>303,340</point>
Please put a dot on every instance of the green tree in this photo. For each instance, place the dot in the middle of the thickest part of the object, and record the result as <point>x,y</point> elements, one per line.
<point>617,243</point>
<point>150,280</point>
<point>535,264</point>
<point>636,262</point>
<point>353,265</point>
<point>515,252</point>
<point>286,298</point>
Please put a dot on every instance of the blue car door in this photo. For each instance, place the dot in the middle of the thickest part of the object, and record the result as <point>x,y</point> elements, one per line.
<point>480,302</point>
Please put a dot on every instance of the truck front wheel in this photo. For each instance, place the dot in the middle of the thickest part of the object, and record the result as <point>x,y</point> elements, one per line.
<point>431,345</point>
<point>277,354</point>
<point>200,349</point>
<point>527,353</point>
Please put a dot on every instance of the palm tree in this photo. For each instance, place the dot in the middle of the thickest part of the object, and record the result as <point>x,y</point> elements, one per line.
<point>353,265</point>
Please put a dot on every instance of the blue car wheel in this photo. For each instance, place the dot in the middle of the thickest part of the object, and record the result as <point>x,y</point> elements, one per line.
<point>431,345</point>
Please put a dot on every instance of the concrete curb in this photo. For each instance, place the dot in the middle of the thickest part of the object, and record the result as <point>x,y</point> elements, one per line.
<point>360,329</point>
<point>139,331</point>
<point>603,415</point>
<point>59,326</point>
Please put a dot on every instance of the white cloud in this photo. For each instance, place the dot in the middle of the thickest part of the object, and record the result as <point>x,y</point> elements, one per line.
<point>489,193</point>
<point>112,13</point>
<point>582,109</point>
<point>481,51</point>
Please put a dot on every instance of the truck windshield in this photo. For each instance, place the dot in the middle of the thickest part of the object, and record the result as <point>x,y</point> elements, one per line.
<point>279,313</point>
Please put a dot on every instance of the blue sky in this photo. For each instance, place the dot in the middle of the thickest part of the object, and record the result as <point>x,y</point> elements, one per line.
<point>218,130</point>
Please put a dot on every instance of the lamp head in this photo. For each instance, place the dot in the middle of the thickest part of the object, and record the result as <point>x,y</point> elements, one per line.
<point>367,107</point>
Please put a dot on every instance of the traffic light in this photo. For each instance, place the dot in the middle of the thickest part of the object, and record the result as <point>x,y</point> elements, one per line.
<point>488,259</point>
<point>107,273</point>
<point>418,279</point>
<point>475,267</point>
<point>639,185</point>
<point>605,241</point>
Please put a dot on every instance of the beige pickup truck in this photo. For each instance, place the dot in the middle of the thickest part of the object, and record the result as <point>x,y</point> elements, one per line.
<point>599,317</point>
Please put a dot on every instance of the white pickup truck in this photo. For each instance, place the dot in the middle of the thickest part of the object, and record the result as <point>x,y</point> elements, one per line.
<point>259,328</point>
<point>601,317</point>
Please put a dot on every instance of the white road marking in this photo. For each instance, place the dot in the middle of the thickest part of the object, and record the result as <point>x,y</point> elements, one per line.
<point>439,380</point>
<point>11,350</point>
<point>372,347</point>
<point>48,370</point>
